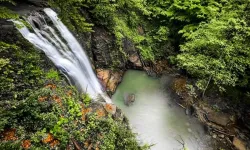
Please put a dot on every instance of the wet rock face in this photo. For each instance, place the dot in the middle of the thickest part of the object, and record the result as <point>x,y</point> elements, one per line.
<point>246,119</point>
<point>114,80</point>
<point>106,54</point>
<point>103,49</point>
<point>135,60</point>
<point>8,33</point>
<point>109,79</point>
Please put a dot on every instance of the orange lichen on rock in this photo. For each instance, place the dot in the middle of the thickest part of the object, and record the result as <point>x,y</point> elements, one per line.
<point>57,99</point>
<point>110,108</point>
<point>48,139</point>
<point>51,140</point>
<point>42,99</point>
<point>103,75</point>
<point>51,86</point>
<point>84,112</point>
<point>54,143</point>
<point>9,135</point>
<point>115,78</point>
<point>100,113</point>
<point>26,144</point>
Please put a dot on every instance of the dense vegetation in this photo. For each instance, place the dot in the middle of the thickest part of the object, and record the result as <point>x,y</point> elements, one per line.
<point>50,119</point>
<point>208,39</point>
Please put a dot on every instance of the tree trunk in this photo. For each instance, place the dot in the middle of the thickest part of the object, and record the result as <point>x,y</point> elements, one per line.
<point>203,94</point>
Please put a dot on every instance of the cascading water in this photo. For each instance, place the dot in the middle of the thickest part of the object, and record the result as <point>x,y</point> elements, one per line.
<point>63,50</point>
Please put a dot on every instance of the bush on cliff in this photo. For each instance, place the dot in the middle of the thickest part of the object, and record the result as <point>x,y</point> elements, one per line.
<point>56,117</point>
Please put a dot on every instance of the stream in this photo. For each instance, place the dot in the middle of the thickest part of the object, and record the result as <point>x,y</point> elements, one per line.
<point>156,118</point>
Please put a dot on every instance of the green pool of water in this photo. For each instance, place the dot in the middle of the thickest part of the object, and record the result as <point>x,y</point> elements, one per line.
<point>155,117</point>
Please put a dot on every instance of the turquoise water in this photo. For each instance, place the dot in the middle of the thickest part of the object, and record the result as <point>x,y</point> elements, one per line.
<point>155,117</point>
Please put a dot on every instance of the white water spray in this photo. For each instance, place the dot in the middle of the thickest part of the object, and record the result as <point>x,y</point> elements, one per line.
<point>62,48</point>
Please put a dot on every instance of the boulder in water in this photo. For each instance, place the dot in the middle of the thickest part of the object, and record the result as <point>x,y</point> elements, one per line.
<point>189,110</point>
<point>129,99</point>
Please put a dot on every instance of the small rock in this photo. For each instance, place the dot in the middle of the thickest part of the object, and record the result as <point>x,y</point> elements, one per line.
<point>239,144</point>
<point>189,130</point>
<point>187,111</point>
<point>221,135</point>
<point>214,136</point>
<point>219,118</point>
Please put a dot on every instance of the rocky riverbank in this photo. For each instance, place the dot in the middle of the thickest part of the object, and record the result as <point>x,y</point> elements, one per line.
<point>227,124</point>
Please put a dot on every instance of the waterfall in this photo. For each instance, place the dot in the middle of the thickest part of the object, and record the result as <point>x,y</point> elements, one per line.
<point>62,48</point>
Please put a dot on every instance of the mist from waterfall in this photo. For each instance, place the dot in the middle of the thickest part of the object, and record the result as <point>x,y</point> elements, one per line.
<point>62,48</point>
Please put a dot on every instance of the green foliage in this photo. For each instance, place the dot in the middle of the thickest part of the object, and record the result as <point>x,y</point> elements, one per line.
<point>210,36</point>
<point>50,115</point>
<point>122,20</point>
<point>71,14</point>
<point>153,26</point>
<point>5,13</point>
<point>20,70</point>
<point>3,62</point>
<point>218,49</point>
<point>112,135</point>
<point>86,99</point>
<point>52,75</point>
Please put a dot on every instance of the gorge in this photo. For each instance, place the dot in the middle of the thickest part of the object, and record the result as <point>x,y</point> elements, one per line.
<point>184,65</point>
<point>65,52</point>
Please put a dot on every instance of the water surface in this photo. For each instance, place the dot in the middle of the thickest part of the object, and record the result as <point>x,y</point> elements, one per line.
<point>155,117</point>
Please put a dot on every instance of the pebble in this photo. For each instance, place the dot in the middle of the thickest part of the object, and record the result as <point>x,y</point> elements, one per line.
<point>221,135</point>
<point>214,136</point>
<point>189,130</point>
